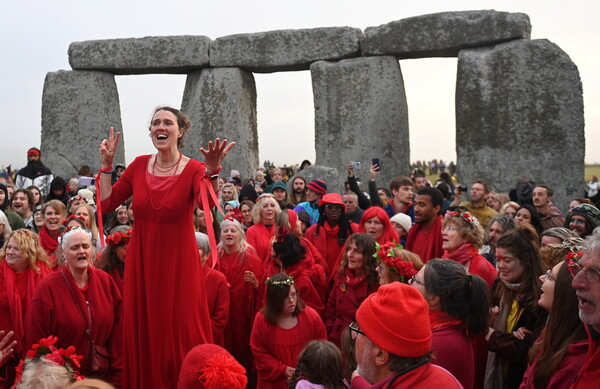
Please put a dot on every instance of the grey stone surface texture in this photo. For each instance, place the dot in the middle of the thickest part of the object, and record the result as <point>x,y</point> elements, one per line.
<point>334,178</point>
<point>153,54</point>
<point>361,114</point>
<point>519,112</point>
<point>78,108</point>
<point>222,103</point>
<point>444,34</point>
<point>285,50</point>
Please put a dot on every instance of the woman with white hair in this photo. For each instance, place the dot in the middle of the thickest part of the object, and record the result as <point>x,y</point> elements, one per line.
<point>244,272</point>
<point>82,306</point>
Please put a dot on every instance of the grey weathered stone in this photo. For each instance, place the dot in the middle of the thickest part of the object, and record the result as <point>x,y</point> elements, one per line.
<point>444,34</point>
<point>519,112</point>
<point>153,54</point>
<point>282,50</point>
<point>361,114</point>
<point>78,107</point>
<point>221,103</point>
<point>332,177</point>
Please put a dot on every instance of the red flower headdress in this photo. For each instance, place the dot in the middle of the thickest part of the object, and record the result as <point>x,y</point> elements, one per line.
<point>59,356</point>
<point>466,215</point>
<point>384,253</point>
<point>282,232</point>
<point>73,217</point>
<point>234,214</point>
<point>118,238</point>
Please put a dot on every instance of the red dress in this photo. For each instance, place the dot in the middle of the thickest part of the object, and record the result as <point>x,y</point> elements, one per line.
<point>217,295</point>
<point>275,348</point>
<point>260,237</point>
<point>244,301</point>
<point>165,308</point>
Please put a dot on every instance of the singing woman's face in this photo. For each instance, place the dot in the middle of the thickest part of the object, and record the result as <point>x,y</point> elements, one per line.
<point>231,237</point>
<point>164,130</point>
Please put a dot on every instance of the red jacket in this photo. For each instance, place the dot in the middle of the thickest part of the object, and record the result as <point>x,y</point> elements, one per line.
<point>567,370</point>
<point>589,375</point>
<point>54,312</point>
<point>428,376</point>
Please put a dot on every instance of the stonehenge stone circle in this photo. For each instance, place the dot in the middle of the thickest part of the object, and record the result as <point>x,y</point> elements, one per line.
<point>78,108</point>
<point>359,104</point>
<point>519,104</point>
<point>221,102</point>
<point>519,112</point>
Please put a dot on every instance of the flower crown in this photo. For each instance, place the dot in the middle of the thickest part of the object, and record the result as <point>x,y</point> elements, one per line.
<point>59,356</point>
<point>234,214</point>
<point>282,232</point>
<point>385,253</point>
<point>118,238</point>
<point>287,282</point>
<point>76,197</point>
<point>574,255</point>
<point>466,215</point>
<point>74,217</point>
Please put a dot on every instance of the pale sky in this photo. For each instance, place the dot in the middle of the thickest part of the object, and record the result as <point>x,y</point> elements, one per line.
<point>36,35</point>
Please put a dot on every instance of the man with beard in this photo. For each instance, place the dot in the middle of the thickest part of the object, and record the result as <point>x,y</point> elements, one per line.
<point>35,173</point>
<point>22,204</point>
<point>549,215</point>
<point>425,236</point>
<point>392,334</point>
<point>477,206</point>
<point>298,190</point>
<point>497,227</point>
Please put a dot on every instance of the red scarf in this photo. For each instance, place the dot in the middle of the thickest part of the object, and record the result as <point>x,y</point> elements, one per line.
<point>463,255</point>
<point>439,319</point>
<point>17,311</point>
<point>47,241</point>
<point>352,280</point>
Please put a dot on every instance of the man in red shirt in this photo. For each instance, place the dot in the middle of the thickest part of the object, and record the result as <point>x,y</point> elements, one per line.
<point>425,236</point>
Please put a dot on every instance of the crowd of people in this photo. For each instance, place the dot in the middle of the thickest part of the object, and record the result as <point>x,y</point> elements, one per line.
<point>169,273</point>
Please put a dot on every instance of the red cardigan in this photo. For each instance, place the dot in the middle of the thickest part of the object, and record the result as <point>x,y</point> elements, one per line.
<point>54,311</point>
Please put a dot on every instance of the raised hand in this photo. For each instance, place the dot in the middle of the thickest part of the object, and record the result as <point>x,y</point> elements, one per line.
<point>108,147</point>
<point>6,351</point>
<point>217,151</point>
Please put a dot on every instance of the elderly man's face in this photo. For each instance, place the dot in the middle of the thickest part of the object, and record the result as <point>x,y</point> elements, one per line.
<point>588,292</point>
<point>365,359</point>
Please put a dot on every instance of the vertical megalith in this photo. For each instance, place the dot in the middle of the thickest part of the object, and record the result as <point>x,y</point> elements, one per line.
<point>519,112</point>
<point>221,102</point>
<point>78,107</point>
<point>361,114</point>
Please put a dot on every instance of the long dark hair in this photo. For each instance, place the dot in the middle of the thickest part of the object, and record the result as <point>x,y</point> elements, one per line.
<point>276,295</point>
<point>366,244</point>
<point>462,295</point>
<point>320,362</point>
<point>290,250</point>
<point>345,229</point>
<point>523,244</point>
<point>562,329</point>
<point>535,218</point>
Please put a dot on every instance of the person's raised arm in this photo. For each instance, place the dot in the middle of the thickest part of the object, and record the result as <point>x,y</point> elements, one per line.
<point>374,196</point>
<point>216,153</point>
<point>108,147</point>
<point>363,201</point>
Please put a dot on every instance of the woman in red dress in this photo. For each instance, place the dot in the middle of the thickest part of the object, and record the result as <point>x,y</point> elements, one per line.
<point>81,305</point>
<point>261,234</point>
<point>23,264</point>
<point>165,310</point>
<point>356,279</point>
<point>244,273</point>
<point>280,331</point>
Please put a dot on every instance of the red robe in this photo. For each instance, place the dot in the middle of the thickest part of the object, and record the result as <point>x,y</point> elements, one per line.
<point>428,244</point>
<point>165,308</point>
<point>346,296</point>
<point>275,348</point>
<point>326,241</point>
<point>16,292</point>
<point>261,237</point>
<point>217,295</point>
<point>54,311</point>
<point>244,301</point>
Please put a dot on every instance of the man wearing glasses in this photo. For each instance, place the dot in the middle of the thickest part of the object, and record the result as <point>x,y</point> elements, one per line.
<point>393,342</point>
<point>587,283</point>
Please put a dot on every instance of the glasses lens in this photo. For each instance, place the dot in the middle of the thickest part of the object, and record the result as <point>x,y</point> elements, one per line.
<point>592,275</point>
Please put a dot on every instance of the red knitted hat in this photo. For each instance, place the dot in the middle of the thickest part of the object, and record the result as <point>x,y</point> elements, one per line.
<point>317,186</point>
<point>209,366</point>
<point>396,318</point>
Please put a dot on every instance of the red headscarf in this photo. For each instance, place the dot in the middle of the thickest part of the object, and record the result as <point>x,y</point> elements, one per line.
<point>389,233</point>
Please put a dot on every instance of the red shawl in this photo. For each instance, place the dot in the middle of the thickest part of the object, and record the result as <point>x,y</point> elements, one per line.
<point>428,244</point>
<point>47,242</point>
<point>463,255</point>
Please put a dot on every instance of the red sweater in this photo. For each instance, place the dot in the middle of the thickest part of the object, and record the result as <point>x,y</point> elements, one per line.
<point>54,312</point>
<point>275,348</point>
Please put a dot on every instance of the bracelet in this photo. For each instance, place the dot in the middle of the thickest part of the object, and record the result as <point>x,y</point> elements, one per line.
<point>211,175</point>
<point>106,171</point>
<point>214,177</point>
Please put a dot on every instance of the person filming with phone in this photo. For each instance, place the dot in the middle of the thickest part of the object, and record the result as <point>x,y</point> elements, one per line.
<point>477,206</point>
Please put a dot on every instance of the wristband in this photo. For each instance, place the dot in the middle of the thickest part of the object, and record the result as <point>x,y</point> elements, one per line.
<point>106,171</point>
<point>214,177</point>
<point>216,172</point>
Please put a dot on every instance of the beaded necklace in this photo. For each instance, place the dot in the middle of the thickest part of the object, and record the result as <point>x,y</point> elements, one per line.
<point>155,166</point>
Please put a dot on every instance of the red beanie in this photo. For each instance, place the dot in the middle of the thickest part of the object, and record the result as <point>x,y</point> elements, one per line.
<point>209,366</point>
<point>396,318</point>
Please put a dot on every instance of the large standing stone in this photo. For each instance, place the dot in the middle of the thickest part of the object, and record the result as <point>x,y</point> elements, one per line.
<point>361,114</point>
<point>153,54</point>
<point>332,177</point>
<point>281,50</point>
<point>444,34</point>
<point>221,103</point>
<point>519,112</point>
<point>78,108</point>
